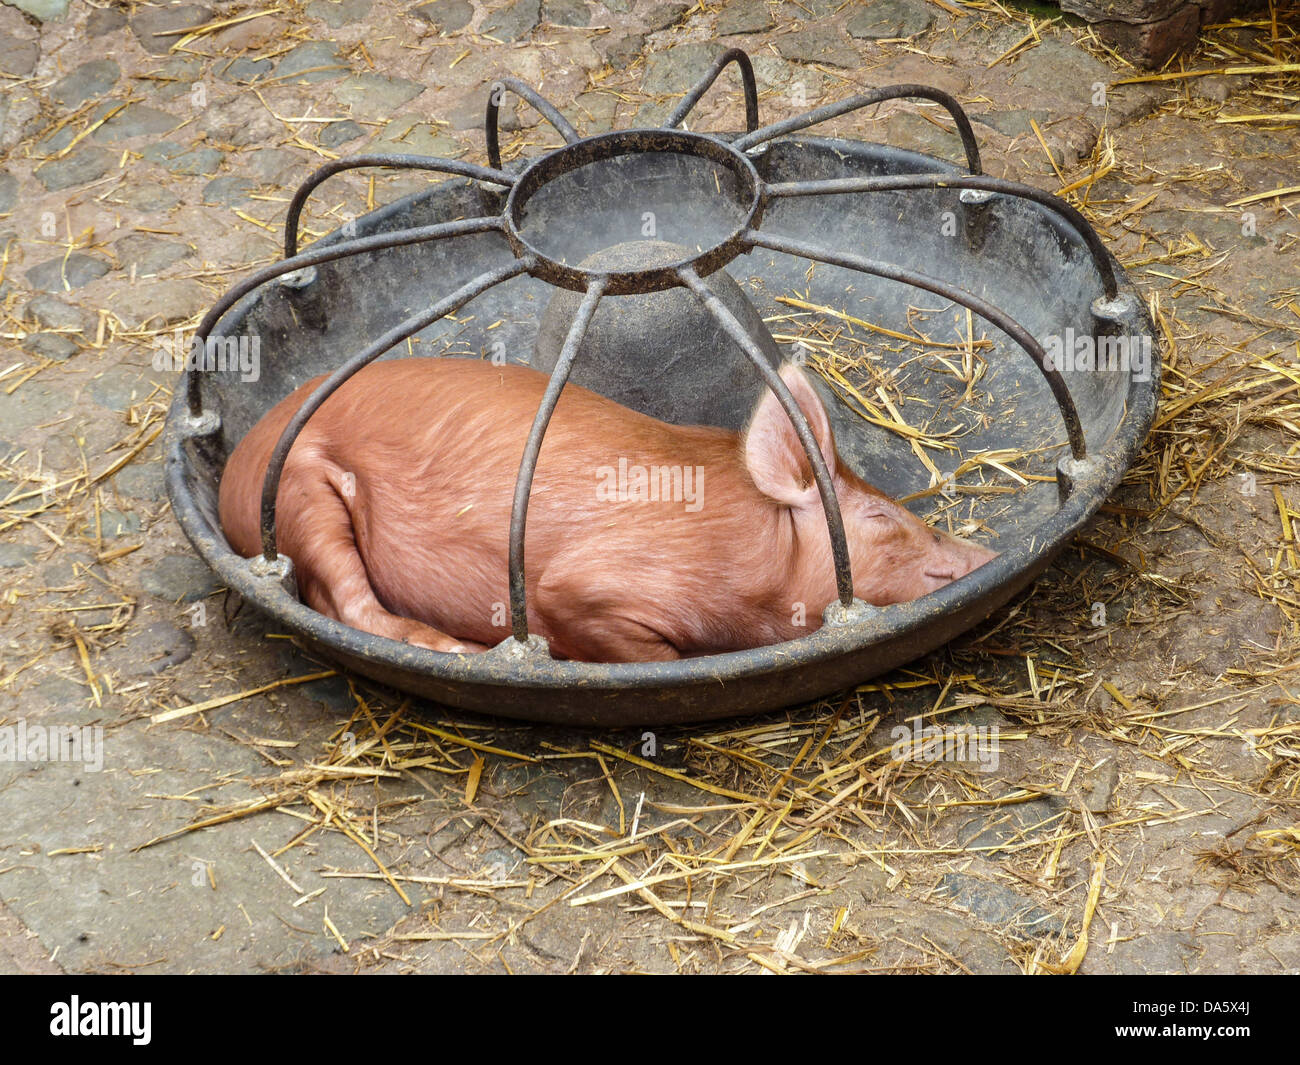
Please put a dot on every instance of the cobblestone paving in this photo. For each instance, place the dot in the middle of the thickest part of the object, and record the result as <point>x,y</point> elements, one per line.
<point>147,154</point>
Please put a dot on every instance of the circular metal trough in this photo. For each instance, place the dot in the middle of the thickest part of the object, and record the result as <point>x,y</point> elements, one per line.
<point>883,243</point>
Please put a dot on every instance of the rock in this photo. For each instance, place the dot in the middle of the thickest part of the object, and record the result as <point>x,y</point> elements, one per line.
<point>66,568</point>
<point>336,133</point>
<point>1013,123</point>
<point>118,387</point>
<point>311,63</point>
<point>114,524</point>
<point>821,44</point>
<point>149,197</point>
<point>86,82</point>
<point>33,404</point>
<point>55,314</point>
<point>61,274</point>
<point>336,13</point>
<point>1147,39</point>
<point>677,70</point>
<point>54,346</point>
<point>998,905</point>
<point>911,131</point>
<point>147,254</point>
<point>8,192</point>
<point>178,75</point>
<point>974,948</point>
<point>991,830</point>
<point>19,113</point>
<point>245,71</point>
<point>228,191</point>
<point>45,10</point>
<point>1065,71</point>
<point>600,109</point>
<point>77,168</point>
<point>661,16</point>
<point>136,120</point>
<point>141,480</point>
<point>407,134</point>
<point>238,122</point>
<point>53,143</point>
<point>652,114</point>
<point>566,13</point>
<point>621,52</point>
<point>514,21</point>
<point>514,119</point>
<point>1099,786</point>
<point>149,20</point>
<point>189,162</point>
<point>149,651</point>
<point>747,16</point>
<point>890,19</point>
<point>179,578</point>
<point>160,303</point>
<point>103,20</point>
<point>271,166</point>
<point>771,72</point>
<point>1216,87</point>
<point>249,36</point>
<point>18,56</point>
<point>445,16</point>
<point>375,95</point>
<point>12,556</point>
<point>469,113</point>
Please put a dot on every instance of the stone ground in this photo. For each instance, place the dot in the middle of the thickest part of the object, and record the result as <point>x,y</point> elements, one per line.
<point>1143,815</point>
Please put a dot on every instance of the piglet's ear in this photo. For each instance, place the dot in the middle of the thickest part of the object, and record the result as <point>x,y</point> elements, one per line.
<point>774,457</point>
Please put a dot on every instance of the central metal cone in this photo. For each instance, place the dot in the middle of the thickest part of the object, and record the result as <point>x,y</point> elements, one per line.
<point>661,353</point>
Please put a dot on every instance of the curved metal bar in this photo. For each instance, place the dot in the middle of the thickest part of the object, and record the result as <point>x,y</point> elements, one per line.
<point>533,447</point>
<point>731,55</point>
<point>397,162</point>
<point>821,473</point>
<point>986,310</point>
<point>541,105</point>
<point>412,325</point>
<point>889,183</point>
<point>866,99</point>
<point>396,239</point>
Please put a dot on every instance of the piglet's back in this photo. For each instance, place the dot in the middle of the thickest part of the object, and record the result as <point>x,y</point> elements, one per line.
<point>450,434</point>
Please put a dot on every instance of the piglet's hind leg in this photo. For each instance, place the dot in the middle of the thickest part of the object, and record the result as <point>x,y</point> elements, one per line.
<point>317,534</point>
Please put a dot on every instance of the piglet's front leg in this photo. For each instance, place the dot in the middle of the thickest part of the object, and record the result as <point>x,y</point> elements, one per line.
<point>590,619</point>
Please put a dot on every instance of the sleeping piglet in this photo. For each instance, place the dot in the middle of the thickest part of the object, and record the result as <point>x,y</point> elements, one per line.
<point>645,540</point>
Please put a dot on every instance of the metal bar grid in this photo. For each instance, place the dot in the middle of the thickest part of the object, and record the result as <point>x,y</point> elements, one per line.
<point>596,285</point>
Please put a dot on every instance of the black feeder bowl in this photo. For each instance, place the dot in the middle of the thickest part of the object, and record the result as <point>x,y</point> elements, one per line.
<point>664,251</point>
